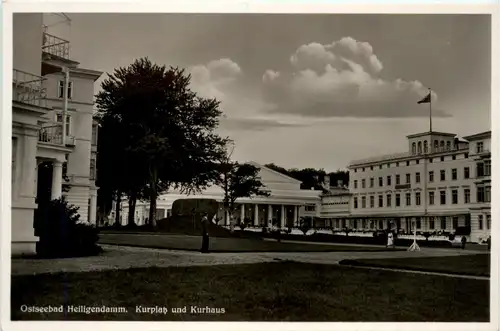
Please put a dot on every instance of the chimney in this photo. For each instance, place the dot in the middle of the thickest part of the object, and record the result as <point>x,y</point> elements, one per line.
<point>339,183</point>
<point>327,181</point>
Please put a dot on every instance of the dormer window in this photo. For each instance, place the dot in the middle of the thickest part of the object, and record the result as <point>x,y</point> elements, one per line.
<point>419,147</point>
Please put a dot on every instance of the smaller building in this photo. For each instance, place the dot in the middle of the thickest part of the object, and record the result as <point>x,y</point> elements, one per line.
<point>335,206</point>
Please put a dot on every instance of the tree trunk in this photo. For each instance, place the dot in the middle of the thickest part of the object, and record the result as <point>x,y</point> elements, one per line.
<point>152,199</point>
<point>132,200</point>
<point>118,207</point>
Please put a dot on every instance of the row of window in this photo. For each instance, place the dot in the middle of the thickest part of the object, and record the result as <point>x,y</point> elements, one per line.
<point>483,195</point>
<point>336,203</point>
<point>408,163</point>
<point>480,222</point>
<point>432,223</point>
<point>438,146</point>
<point>482,169</point>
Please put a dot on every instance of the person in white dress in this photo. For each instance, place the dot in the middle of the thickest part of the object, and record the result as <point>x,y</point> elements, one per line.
<point>390,240</point>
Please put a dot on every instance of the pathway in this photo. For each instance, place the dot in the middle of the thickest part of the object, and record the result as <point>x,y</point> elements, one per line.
<point>121,257</point>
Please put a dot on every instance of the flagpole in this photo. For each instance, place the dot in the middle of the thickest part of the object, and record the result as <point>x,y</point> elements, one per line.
<point>430,110</point>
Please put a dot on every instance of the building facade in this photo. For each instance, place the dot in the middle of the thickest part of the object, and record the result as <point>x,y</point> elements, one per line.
<point>480,210</point>
<point>283,207</point>
<point>432,187</point>
<point>46,147</point>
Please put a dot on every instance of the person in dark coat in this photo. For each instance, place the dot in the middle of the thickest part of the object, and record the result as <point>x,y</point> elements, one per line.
<point>205,238</point>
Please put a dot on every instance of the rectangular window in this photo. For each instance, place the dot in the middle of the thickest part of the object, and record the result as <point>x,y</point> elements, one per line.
<point>443,222</point>
<point>372,181</point>
<point>389,180</point>
<point>480,169</point>
<point>363,202</point>
<point>408,178</point>
<point>431,198</point>
<point>417,198</point>
<point>488,222</point>
<point>466,172</point>
<point>355,184</point>
<point>60,90</point>
<point>443,175</point>
<point>398,179</point>
<point>398,200</point>
<point>59,119</point>
<point>480,221</point>
<point>388,198</point>
<point>454,174</point>
<point>466,195</point>
<point>419,224</point>
<point>94,135</point>
<point>363,183</point>
<point>408,199</point>
<point>443,197</point>
<point>455,222</point>
<point>372,201</point>
<point>380,224</point>
<point>380,181</point>
<point>92,169</point>
<point>337,224</point>
<point>479,147</point>
<point>431,223</point>
<point>380,201</point>
<point>431,176</point>
<point>480,194</point>
<point>355,202</point>
<point>454,197</point>
<point>417,177</point>
<point>487,167</point>
<point>487,194</point>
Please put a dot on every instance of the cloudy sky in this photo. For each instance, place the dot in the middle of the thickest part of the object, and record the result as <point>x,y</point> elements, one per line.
<point>310,90</point>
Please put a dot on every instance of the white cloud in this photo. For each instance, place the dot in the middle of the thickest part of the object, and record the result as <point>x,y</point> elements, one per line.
<point>270,75</point>
<point>343,79</point>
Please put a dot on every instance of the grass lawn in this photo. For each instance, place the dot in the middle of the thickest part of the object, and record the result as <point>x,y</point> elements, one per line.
<point>286,291</point>
<point>476,265</point>
<point>192,243</point>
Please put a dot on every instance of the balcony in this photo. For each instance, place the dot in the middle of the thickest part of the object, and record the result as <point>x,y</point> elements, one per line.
<point>52,134</point>
<point>55,46</point>
<point>28,88</point>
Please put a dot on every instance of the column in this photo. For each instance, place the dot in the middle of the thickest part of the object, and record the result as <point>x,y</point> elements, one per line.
<point>29,167</point>
<point>56,179</point>
<point>269,214</point>
<point>242,212</point>
<point>228,217</point>
<point>296,216</point>
<point>93,208</point>
<point>282,216</point>
<point>256,215</point>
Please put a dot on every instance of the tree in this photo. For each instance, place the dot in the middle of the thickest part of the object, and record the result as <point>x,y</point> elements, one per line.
<point>166,132</point>
<point>239,180</point>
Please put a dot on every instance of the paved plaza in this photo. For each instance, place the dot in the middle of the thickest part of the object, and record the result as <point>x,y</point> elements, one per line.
<point>122,257</point>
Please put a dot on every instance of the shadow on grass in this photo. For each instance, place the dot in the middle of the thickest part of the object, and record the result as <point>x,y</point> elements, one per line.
<point>470,265</point>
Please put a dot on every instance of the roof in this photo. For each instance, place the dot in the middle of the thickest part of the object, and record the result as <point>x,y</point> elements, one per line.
<point>415,135</point>
<point>258,165</point>
<point>87,72</point>
<point>481,135</point>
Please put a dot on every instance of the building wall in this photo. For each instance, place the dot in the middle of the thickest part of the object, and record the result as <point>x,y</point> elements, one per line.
<point>80,127</point>
<point>27,42</point>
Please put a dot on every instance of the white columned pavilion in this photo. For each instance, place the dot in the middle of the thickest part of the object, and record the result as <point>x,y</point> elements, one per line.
<point>56,180</point>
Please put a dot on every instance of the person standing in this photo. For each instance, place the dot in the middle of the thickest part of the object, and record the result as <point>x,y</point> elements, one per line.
<point>205,238</point>
<point>390,240</point>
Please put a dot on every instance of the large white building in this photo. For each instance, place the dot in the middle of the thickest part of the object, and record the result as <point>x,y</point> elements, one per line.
<point>285,204</point>
<point>433,186</point>
<point>47,154</point>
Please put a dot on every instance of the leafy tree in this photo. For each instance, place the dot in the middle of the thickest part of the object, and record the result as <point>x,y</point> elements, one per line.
<point>167,133</point>
<point>239,180</point>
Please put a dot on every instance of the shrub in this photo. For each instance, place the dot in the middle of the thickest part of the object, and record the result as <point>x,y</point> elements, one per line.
<point>305,224</point>
<point>61,234</point>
